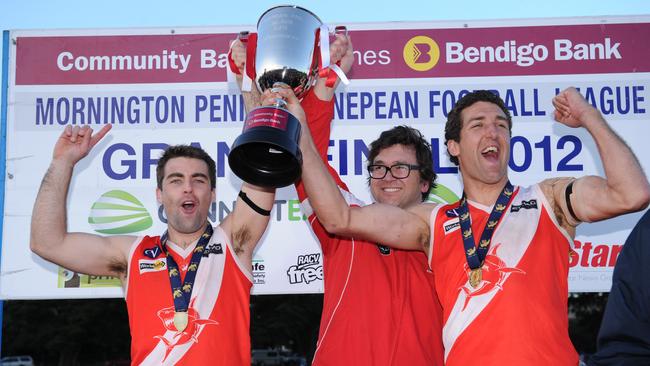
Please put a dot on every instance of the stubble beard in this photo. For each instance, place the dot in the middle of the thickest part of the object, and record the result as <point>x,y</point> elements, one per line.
<point>186,226</point>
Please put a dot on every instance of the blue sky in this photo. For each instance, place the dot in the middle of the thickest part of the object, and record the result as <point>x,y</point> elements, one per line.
<point>49,14</point>
<point>57,14</point>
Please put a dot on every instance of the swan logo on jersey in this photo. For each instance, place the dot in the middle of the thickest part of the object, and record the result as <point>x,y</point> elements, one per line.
<point>494,275</point>
<point>421,53</point>
<point>189,334</point>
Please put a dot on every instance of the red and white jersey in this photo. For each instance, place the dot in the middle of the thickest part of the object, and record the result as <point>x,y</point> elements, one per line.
<point>517,315</point>
<point>219,317</point>
<point>380,306</point>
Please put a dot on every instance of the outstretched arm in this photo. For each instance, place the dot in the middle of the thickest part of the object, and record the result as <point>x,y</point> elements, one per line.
<point>625,187</point>
<point>245,225</point>
<point>386,224</point>
<point>80,252</point>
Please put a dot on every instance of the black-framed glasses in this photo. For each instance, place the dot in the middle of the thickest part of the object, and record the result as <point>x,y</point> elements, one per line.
<point>398,171</point>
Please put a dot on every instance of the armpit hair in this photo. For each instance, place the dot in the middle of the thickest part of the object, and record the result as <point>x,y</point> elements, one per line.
<point>118,267</point>
<point>425,239</point>
<point>240,239</point>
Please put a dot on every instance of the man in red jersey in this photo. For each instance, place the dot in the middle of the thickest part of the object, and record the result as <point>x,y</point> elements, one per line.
<point>379,305</point>
<point>187,292</point>
<point>500,255</point>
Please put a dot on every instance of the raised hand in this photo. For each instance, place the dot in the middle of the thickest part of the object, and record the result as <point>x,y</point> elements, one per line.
<point>76,142</point>
<point>238,54</point>
<point>293,104</point>
<point>572,110</point>
<point>341,50</point>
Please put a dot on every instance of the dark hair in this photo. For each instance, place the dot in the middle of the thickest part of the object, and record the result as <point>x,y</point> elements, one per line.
<point>185,151</point>
<point>454,122</point>
<point>410,137</point>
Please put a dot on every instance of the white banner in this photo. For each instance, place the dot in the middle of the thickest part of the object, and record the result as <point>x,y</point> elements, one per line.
<point>159,87</point>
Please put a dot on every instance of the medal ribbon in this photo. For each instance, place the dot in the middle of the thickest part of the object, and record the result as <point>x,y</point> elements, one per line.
<point>182,292</point>
<point>473,255</point>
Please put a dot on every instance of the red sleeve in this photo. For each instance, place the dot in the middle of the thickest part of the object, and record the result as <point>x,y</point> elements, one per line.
<point>319,118</point>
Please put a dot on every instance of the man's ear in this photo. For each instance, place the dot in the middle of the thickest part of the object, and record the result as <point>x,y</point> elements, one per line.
<point>159,195</point>
<point>424,186</point>
<point>453,148</point>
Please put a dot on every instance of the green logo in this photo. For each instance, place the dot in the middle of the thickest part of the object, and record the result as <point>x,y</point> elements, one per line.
<point>70,279</point>
<point>442,194</point>
<point>119,212</point>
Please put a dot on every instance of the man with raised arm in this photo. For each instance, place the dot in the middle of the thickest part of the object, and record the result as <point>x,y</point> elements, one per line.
<point>379,305</point>
<point>500,256</point>
<point>187,291</point>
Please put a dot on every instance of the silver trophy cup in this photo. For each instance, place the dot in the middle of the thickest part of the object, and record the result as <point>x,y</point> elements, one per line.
<point>267,153</point>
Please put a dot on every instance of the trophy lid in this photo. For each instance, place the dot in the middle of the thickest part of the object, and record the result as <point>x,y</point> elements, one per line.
<point>288,6</point>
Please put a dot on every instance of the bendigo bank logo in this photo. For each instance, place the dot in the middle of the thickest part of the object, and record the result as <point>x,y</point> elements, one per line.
<point>421,53</point>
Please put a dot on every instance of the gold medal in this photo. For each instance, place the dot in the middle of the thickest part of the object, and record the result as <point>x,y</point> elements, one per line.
<point>180,320</point>
<point>475,277</point>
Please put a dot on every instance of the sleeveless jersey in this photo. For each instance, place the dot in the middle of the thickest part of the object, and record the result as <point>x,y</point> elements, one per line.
<point>379,306</point>
<point>219,318</point>
<point>517,315</point>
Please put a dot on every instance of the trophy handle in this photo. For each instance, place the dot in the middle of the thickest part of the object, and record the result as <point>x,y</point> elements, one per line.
<point>279,102</point>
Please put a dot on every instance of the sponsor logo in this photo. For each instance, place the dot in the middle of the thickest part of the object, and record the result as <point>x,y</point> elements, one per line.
<point>527,54</point>
<point>452,212</point>
<point>213,248</point>
<point>451,225</point>
<point>442,194</point>
<point>152,265</point>
<point>259,272</point>
<point>71,279</point>
<point>586,254</point>
<point>421,53</point>
<point>119,212</point>
<point>525,205</point>
<point>152,252</point>
<point>307,269</point>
